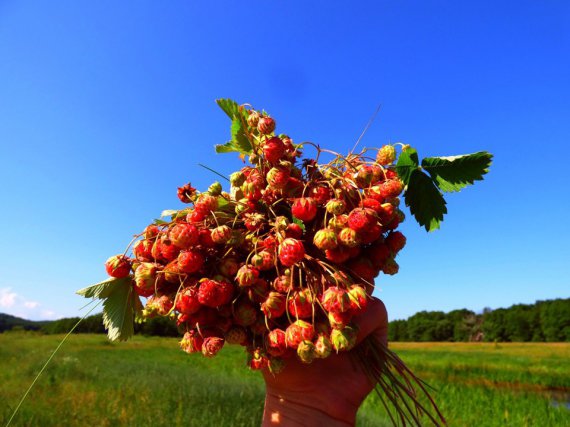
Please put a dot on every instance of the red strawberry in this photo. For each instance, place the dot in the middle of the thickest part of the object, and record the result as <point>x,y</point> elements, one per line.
<point>321,194</point>
<point>206,238</point>
<point>391,188</point>
<point>258,360</point>
<point>335,300</point>
<point>274,306</point>
<point>143,250</point>
<point>275,342</point>
<point>294,230</point>
<point>186,193</point>
<point>191,342</point>
<point>361,219</point>
<point>266,125</point>
<point>158,305</point>
<point>278,177</point>
<point>228,267</point>
<point>273,149</point>
<point>373,234</point>
<point>151,232</point>
<point>146,279</point>
<point>211,293</point>
<point>118,266</point>
<point>349,237</point>
<point>258,291</point>
<point>183,235</point>
<point>396,242</point>
<point>300,304</point>
<point>336,206</point>
<point>391,267</point>
<point>338,255</point>
<point>212,345</point>
<point>247,275</point>
<point>190,261</point>
<point>358,299</point>
<point>187,301</point>
<point>291,251</point>
<point>297,332</point>
<point>206,203</point>
<point>304,208</point>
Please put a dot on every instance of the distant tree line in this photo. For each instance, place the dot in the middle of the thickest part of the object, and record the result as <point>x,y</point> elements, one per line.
<point>543,321</point>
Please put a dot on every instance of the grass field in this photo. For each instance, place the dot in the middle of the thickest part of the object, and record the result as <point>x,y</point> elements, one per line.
<point>149,382</point>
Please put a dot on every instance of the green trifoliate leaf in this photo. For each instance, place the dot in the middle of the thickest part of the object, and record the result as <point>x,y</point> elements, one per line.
<point>407,163</point>
<point>103,289</point>
<point>239,136</point>
<point>230,107</point>
<point>457,172</point>
<point>299,223</point>
<point>119,311</point>
<point>425,201</point>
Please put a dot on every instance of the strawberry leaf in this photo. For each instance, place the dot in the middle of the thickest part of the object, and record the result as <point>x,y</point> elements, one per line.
<point>407,163</point>
<point>230,107</point>
<point>104,288</point>
<point>457,172</point>
<point>425,201</point>
<point>119,311</point>
<point>240,142</point>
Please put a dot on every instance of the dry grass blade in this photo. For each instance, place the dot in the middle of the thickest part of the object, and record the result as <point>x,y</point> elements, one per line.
<point>398,388</point>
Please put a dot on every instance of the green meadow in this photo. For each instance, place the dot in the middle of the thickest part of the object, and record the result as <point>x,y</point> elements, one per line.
<point>149,382</point>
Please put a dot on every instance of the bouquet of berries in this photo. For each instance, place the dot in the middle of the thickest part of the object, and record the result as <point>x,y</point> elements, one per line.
<point>282,261</point>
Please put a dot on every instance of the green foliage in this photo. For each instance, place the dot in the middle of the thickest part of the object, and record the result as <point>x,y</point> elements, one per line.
<point>542,321</point>
<point>454,173</point>
<point>119,308</point>
<point>239,142</point>
<point>423,192</point>
<point>425,201</point>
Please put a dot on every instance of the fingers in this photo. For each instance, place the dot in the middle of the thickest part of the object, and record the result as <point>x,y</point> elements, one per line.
<point>374,320</point>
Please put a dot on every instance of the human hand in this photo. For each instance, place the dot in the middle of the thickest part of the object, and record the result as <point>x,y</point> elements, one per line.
<point>328,392</point>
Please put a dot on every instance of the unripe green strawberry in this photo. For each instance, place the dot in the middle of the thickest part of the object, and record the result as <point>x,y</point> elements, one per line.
<point>146,278</point>
<point>276,365</point>
<point>325,239</point>
<point>349,237</point>
<point>237,179</point>
<point>344,339</point>
<point>336,206</point>
<point>253,119</point>
<point>386,155</point>
<point>338,222</point>
<point>339,320</point>
<point>263,260</point>
<point>323,346</point>
<point>215,189</point>
<point>221,234</point>
<point>306,351</point>
<point>157,305</point>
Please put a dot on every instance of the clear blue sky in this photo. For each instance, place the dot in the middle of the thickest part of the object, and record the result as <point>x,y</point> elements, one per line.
<point>106,107</point>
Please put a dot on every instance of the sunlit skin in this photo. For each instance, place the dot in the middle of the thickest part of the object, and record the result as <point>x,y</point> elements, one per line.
<point>328,392</point>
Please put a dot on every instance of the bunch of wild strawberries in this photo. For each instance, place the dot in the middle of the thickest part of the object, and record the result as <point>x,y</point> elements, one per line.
<point>282,263</point>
